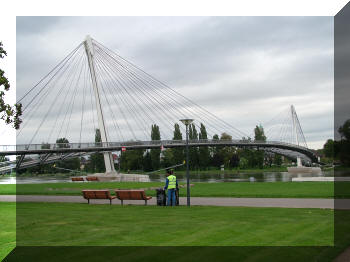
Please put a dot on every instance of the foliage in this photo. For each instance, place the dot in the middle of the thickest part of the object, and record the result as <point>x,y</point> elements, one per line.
<point>217,159</point>
<point>10,114</point>
<point>259,133</point>
<point>235,160</point>
<point>255,157</point>
<point>339,150</point>
<point>62,142</point>
<point>193,151</point>
<point>132,159</point>
<point>96,162</point>
<point>243,163</point>
<point>204,155</point>
<point>168,158</point>
<point>4,159</point>
<point>178,152</point>
<point>155,152</point>
<point>277,160</point>
<point>328,148</point>
<point>344,130</point>
<point>45,145</point>
<point>147,162</point>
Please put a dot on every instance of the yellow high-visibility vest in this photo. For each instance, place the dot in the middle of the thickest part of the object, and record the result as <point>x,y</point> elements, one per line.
<point>172,182</point>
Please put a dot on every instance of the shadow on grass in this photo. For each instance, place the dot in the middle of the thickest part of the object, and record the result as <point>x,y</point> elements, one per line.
<point>156,254</point>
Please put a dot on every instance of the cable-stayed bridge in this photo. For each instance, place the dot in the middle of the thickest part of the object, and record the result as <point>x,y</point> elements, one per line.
<point>95,88</point>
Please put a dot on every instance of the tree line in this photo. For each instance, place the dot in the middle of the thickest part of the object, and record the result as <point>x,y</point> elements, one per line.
<point>200,158</point>
<point>339,150</point>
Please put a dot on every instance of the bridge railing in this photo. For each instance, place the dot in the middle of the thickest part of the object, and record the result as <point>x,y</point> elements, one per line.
<point>57,146</point>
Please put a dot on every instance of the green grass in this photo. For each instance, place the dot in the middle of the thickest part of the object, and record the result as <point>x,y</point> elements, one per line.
<point>48,224</point>
<point>226,171</point>
<point>8,228</point>
<point>82,224</point>
<point>226,189</point>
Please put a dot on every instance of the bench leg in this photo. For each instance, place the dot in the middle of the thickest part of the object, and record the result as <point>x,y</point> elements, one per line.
<point>145,202</point>
<point>88,200</point>
<point>122,202</point>
<point>110,201</point>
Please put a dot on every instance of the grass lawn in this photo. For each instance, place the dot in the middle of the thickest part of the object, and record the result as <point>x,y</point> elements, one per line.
<point>8,228</point>
<point>96,225</point>
<point>66,224</point>
<point>225,189</point>
<point>227,171</point>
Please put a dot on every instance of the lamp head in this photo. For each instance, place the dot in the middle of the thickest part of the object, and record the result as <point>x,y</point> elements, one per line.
<point>186,121</point>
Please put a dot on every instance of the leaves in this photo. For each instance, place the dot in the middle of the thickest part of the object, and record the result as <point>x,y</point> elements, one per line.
<point>9,114</point>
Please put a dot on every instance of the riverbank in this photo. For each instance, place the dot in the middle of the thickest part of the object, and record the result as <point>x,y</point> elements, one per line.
<point>235,189</point>
<point>177,171</point>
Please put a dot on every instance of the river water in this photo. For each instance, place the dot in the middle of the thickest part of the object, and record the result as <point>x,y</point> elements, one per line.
<point>224,176</point>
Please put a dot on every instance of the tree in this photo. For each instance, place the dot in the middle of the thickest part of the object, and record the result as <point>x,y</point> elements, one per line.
<point>168,157</point>
<point>147,162</point>
<point>10,114</point>
<point>45,145</point>
<point>204,155</point>
<point>72,163</point>
<point>258,157</point>
<point>62,142</point>
<point>243,163</point>
<point>193,151</point>
<point>259,133</point>
<point>178,152</point>
<point>97,163</point>
<point>328,148</point>
<point>342,147</point>
<point>277,160</point>
<point>4,159</point>
<point>132,159</point>
<point>234,161</point>
<point>227,152</point>
<point>155,152</point>
<point>344,130</point>
<point>217,159</point>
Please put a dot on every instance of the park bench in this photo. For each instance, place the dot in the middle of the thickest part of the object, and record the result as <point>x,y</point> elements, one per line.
<point>77,179</point>
<point>91,178</point>
<point>132,194</point>
<point>97,194</point>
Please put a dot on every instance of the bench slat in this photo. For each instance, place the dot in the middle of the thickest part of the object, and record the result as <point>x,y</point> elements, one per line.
<point>131,195</point>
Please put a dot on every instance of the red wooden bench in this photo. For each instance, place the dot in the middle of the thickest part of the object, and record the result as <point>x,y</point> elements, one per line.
<point>77,179</point>
<point>91,178</point>
<point>132,194</point>
<point>97,194</point>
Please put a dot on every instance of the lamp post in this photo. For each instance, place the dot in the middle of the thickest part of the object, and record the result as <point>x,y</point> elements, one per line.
<point>187,122</point>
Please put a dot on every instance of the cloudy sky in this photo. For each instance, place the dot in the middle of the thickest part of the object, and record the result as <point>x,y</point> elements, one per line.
<point>245,70</point>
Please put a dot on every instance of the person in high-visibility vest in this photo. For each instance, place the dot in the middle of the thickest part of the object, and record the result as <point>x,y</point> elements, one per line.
<point>171,185</point>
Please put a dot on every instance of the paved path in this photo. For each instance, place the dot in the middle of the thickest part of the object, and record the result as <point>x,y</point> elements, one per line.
<point>343,257</point>
<point>199,201</point>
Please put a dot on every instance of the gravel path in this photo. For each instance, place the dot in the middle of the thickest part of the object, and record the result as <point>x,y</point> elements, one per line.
<point>198,201</point>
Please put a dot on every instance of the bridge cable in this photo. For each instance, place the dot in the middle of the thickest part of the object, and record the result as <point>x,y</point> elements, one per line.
<point>174,92</point>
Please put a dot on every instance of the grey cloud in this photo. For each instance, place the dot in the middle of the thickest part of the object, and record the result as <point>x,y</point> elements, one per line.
<point>244,69</point>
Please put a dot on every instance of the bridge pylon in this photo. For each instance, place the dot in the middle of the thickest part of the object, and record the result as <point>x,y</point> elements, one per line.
<point>90,52</point>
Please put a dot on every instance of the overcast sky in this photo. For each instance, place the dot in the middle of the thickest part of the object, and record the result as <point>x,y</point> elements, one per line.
<point>245,70</point>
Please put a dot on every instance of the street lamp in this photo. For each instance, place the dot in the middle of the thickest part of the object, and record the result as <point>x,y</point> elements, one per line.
<point>187,122</point>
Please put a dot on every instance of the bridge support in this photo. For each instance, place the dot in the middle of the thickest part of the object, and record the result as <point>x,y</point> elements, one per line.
<point>299,163</point>
<point>108,158</point>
